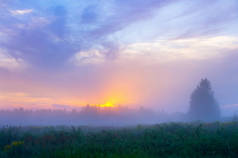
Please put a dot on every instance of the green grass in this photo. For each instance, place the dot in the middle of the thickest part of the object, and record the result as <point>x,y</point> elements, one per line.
<point>172,140</point>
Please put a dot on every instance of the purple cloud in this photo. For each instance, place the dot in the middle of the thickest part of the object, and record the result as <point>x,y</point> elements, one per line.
<point>54,31</point>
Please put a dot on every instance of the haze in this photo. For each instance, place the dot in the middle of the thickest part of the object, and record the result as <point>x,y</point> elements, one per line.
<point>63,54</point>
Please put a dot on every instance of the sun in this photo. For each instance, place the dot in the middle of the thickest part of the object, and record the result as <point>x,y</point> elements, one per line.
<point>107,105</point>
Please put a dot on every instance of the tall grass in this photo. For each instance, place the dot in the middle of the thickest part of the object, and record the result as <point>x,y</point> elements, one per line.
<point>163,140</point>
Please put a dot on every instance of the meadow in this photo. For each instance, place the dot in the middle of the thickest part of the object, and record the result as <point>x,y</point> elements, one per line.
<point>169,140</point>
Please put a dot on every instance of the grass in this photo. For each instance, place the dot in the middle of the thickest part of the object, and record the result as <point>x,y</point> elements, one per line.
<point>172,140</point>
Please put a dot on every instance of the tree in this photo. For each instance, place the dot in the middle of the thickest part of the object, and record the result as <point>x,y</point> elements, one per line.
<point>203,105</point>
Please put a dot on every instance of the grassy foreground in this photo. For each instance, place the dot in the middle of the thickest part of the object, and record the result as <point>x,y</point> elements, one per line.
<point>164,140</point>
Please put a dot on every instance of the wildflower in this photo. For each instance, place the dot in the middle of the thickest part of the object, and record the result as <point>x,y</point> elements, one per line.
<point>13,144</point>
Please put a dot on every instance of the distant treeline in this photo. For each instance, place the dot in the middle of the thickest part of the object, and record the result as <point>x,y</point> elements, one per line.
<point>88,115</point>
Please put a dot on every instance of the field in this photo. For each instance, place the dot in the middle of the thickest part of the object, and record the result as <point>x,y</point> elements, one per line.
<point>173,140</point>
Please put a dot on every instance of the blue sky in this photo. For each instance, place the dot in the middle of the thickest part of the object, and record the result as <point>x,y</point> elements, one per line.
<point>62,44</point>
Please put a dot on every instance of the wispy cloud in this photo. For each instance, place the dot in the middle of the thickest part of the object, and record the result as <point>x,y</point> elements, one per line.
<point>21,12</point>
<point>88,57</point>
<point>10,63</point>
<point>52,33</point>
<point>201,48</point>
<point>52,44</point>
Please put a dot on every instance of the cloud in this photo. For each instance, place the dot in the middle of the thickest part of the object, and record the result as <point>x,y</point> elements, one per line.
<point>10,63</point>
<point>41,43</point>
<point>125,13</point>
<point>88,58</point>
<point>181,49</point>
<point>21,12</point>
<point>23,99</point>
<point>202,21</point>
<point>54,32</point>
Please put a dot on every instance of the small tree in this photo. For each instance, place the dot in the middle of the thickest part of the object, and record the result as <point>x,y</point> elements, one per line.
<point>203,105</point>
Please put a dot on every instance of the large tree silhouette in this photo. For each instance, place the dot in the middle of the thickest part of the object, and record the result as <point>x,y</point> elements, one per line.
<point>203,105</point>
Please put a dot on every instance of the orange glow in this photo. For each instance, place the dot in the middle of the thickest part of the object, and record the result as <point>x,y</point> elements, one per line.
<point>107,105</point>
<point>121,86</point>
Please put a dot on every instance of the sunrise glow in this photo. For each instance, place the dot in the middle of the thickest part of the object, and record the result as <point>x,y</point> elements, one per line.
<point>61,54</point>
<point>118,78</point>
<point>107,105</point>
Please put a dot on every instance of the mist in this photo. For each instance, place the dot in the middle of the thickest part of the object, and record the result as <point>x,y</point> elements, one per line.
<point>144,94</point>
<point>56,56</point>
<point>87,116</point>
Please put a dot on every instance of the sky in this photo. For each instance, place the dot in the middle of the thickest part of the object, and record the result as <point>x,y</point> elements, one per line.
<point>136,53</point>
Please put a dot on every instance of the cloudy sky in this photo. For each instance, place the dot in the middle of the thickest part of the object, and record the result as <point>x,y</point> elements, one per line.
<point>138,53</point>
